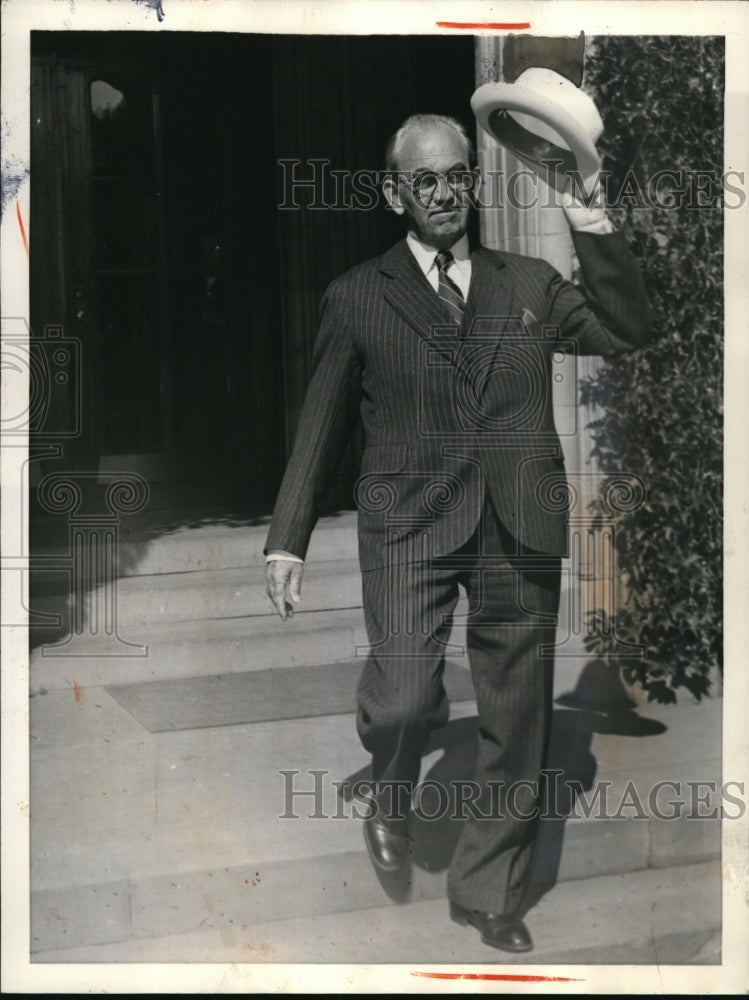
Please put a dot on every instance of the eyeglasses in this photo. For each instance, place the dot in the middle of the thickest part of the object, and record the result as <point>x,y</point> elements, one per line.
<point>424,186</point>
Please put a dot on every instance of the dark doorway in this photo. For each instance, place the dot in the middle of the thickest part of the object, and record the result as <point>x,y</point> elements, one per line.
<point>158,241</point>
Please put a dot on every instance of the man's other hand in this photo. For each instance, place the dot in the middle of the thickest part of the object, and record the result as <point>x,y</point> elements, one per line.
<point>283,585</point>
<point>583,213</point>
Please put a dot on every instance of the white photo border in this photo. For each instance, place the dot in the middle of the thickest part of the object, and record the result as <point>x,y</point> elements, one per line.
<point>560,17</point>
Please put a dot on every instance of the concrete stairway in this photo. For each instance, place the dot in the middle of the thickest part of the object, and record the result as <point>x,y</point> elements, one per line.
<point>194,597</point>
<point>139,834</point>
<point>191,601</point>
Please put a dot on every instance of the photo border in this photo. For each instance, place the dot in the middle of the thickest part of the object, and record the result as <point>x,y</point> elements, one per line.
<point>560,17</point>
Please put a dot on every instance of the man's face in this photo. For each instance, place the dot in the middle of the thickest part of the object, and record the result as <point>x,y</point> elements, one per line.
<point>438,213</point>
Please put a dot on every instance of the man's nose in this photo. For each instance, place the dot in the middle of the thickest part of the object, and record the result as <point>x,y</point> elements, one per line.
<point>443,193</point>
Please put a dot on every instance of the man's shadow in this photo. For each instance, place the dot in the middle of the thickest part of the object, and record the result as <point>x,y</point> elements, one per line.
<point>598,705</point>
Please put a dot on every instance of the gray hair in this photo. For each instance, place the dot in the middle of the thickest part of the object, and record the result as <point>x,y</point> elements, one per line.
<point>395,144</point>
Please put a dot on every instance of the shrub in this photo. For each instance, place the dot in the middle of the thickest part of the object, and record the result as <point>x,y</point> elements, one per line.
<point>662,104</point>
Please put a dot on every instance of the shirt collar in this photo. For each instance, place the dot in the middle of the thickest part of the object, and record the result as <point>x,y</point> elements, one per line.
<point>425,255</point>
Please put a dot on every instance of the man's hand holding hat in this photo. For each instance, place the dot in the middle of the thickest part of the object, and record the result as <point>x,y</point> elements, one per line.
<point>588,215</point>
<point>552,126</point>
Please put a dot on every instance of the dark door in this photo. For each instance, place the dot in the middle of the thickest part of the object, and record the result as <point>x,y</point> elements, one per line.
<point>151,195</point>
<point>159,243</point>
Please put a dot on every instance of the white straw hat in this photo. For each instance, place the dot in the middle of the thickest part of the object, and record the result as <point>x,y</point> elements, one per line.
<point>546,121</point>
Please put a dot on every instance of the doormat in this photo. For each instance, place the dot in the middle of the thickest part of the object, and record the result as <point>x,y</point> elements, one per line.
<point>257,696</point>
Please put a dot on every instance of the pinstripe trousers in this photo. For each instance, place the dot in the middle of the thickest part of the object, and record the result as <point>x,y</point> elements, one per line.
<point>513,603</point>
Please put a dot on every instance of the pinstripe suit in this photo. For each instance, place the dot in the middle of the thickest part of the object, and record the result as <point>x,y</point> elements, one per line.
<point>460,483</point>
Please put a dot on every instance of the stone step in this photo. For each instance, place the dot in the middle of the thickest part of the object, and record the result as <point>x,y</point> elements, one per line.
<point>159,651</point>
<point>208,841</point>
<point>223,546</point>
<point>251,816</point>
<point>163,548</point>
<point>191,649</point>
<point>221,593</point>
<point>173,831</point>
<point>338,884</point>
<point>623,919</point>
<point>211,594</point>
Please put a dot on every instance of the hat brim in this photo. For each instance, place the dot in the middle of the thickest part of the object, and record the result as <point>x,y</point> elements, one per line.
<point>492,105</point>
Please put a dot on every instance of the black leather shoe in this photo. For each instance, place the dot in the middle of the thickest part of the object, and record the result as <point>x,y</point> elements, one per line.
<point>387,845</point>
<point>508,933</point>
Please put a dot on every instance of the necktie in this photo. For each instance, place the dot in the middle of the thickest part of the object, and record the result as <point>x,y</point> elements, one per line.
<point>447,290</point>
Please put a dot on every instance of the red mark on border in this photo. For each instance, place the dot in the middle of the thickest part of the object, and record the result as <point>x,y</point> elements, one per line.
<point>655,952</point>
<point>22,228</point>
<point>497,977</point>
<point>472,25</point>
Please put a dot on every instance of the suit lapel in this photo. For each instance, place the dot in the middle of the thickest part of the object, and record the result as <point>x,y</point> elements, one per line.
<point>414,299</point>
<point>489,305</point>
<point>411,295</point>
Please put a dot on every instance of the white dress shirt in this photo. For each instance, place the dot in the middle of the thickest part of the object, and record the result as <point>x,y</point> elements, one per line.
<point>459,269</point>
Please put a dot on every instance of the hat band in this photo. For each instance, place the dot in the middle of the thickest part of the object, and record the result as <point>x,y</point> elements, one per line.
<point>529,146</point>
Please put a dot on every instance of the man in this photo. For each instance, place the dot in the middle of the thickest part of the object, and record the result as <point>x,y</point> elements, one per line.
<point>446,354</point>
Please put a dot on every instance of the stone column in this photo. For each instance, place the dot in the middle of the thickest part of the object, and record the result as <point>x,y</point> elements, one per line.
<point>541,230</point>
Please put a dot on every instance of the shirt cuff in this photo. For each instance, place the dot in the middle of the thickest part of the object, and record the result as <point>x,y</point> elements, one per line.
<point>601,227</point>
<point>283,558</point>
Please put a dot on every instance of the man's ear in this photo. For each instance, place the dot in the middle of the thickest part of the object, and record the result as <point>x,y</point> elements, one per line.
<point>392,195</point>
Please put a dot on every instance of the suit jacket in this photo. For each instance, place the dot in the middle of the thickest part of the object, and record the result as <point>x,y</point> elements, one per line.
<point>450,412</point>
